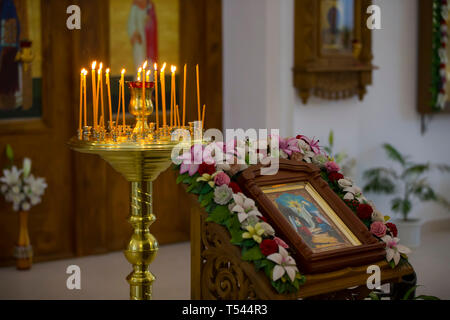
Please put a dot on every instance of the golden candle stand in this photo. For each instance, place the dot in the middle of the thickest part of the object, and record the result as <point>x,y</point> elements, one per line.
<point>140,154</point>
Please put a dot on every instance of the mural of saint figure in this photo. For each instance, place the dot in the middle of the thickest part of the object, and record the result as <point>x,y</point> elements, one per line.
<point>143,32</point>
<point>10,93</point>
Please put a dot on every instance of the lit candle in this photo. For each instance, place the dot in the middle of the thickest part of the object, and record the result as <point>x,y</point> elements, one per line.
<point>139,74</point>
<point>101,97</point>
<point>184,96</point>
<point>122,79</point>
<point>172,96</point>
<point>108,88</point>
<point>98,92</point>
<point>163,93</point>
<point>203,116</point>
<point>81,100</point>
<point>147,76</point>
<point>198,93</point>
<point>85,104</point>
<point>156,94</point>
<point>94,91</point>
<point>120,101</point>
<point>143,95</point>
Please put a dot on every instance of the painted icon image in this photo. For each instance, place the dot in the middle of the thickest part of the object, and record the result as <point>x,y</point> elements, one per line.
<point>319,227</point>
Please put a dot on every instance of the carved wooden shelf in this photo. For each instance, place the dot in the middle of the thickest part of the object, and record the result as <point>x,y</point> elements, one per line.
<point>217,271</point>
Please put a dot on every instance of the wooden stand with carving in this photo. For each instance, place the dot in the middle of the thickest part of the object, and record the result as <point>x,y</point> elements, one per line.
<point>218,272</point>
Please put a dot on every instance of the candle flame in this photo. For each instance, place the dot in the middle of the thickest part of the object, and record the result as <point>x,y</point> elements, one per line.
<point>173,69</point>
<point>139,70</point>
<point>155,66</point>
<point>94,64</point>
<point>101,66</point>
<point>107,71</point>
<point>148,72</point>
<point>145,64</point>
<point>84,71</point>
<point>163,67</point>
<point>123,71</point>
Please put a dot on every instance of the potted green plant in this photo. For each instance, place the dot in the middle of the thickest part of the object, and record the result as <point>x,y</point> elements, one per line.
<point>405,182</point>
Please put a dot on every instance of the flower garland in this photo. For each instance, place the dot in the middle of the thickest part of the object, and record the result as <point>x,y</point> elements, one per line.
<point>439,55</point>
<point>223,200</point>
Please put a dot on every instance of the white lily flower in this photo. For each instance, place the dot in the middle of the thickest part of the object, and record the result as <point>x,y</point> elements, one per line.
<point>26,167</point>
<point>11,177</point>
<point>394,249</point>
<point>244,207</point>
<point>37,185</point>
<point>285,264</point>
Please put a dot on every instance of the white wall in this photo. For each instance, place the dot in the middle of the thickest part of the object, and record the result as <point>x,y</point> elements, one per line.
<point>258,90</point>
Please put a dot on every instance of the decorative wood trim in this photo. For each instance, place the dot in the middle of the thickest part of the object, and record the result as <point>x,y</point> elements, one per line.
<point>290,171</point>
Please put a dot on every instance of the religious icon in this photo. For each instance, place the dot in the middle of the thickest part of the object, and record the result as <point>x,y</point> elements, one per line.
<point>20,79</point>
<point>311,218</point>
<point>337,24</point>
<point>143,32</point>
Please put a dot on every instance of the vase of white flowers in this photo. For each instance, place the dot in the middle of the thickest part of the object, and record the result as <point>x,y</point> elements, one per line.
<point>23,190</point>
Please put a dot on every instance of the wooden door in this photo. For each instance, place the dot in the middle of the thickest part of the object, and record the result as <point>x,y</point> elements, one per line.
<point>43,140</point>
<point>86,205</point>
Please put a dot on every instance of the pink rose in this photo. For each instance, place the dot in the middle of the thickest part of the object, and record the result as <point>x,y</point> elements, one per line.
<point>332,166</point>
<point>281,243</point>
<point>222,178</point>
<point>378,228</point>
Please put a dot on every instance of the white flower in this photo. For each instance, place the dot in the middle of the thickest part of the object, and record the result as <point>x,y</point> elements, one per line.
<point>11,177</point>
<point>285,264</point>
<point>244,207</point>
<point>268,230</point>
<point>377,216</point>
<point>26,167</point>
<point>352,193</point>
<point>26,206</point>
<point>34,200</point>
<point>223,194</point>
<point>303,145</point>
<point>37,185</point>
<point>344,183</point>
<point>393,249</point>
<point>319,160</point>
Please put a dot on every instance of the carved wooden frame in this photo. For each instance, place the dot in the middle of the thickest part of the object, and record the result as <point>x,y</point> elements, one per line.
<point>290,171</point>
<point>330,76</point>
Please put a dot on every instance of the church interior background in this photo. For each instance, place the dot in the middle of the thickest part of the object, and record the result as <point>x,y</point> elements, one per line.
<point>259,67</point>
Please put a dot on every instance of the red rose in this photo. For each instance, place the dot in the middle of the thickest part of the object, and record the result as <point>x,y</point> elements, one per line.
<point>299,136</point>
<point>335,176</point>
<point>364,211</point>
<point>206,168</point>
<point>268,247</point>
<point>392,228</point>
<point>235,187</point>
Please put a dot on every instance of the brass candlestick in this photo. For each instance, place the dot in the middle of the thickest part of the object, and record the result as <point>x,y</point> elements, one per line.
<point>140,158</point>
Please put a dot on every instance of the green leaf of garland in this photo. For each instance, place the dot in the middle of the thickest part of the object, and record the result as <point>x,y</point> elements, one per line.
<point>219,215</point>
<point>252,254</point>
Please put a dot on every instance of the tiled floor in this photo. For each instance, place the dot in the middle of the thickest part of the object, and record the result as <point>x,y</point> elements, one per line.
<point>103,276</point>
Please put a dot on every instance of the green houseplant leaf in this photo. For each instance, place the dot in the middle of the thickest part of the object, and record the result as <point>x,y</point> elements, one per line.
<point>394,154</point>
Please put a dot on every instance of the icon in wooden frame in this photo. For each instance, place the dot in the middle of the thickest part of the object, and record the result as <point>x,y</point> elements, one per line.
<point>323,232</point>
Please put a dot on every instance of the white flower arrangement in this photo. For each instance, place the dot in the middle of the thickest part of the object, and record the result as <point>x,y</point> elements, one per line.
<point>20,187</point>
